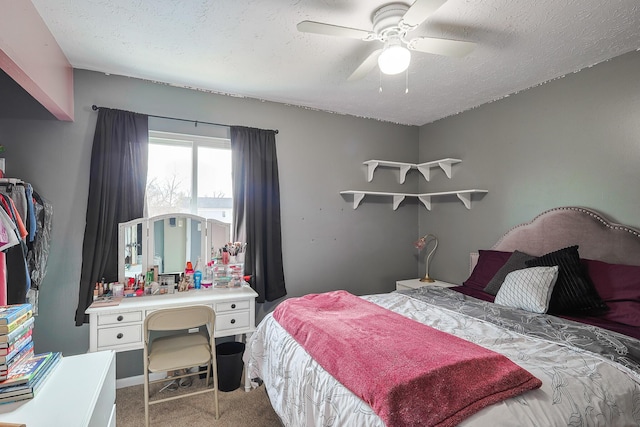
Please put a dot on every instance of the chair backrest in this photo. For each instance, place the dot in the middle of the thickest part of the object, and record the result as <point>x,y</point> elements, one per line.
<point>172,319</point>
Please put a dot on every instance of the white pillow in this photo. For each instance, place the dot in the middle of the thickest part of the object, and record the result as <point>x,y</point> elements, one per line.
<point>529,289</point>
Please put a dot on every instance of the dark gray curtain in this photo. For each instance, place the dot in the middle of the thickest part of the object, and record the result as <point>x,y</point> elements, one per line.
<point>117,183</point>
<point>256,208</point>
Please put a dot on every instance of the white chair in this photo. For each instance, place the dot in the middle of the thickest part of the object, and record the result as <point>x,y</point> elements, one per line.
<point>180,351</point>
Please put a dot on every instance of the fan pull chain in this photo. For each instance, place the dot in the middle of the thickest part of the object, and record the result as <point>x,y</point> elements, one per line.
<point>406,81</point>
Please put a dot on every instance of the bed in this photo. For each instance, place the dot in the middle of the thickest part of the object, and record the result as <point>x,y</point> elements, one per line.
<point>587,359</point>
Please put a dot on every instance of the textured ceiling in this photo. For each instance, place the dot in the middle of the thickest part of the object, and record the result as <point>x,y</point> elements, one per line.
<point>252,48</point>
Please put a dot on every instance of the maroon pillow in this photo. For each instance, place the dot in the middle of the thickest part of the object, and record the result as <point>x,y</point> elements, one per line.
<point>489,262</point>
<point>473,292</point>
<point>619,287</point>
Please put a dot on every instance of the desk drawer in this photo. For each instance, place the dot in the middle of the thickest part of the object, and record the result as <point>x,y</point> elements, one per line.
<point>222,307</point>
<point>117,318</point>
<point>228,321</point>
<point>127,334</point>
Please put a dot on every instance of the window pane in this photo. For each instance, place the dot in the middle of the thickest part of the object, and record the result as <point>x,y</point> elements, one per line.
<point>169,178</point>
<point>214,183</point>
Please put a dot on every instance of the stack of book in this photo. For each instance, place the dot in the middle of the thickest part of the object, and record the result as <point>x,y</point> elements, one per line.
<point>21,372</point>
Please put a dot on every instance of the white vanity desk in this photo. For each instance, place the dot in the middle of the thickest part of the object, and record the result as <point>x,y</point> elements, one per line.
<point>119,328</point>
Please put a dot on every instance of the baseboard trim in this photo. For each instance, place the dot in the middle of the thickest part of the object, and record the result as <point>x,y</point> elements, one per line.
<point>138,379</point>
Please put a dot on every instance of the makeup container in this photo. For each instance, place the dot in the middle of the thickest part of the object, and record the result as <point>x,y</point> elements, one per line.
<point>118,290</point>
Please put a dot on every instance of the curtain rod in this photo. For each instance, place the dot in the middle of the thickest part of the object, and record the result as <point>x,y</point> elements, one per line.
<point>96,108</point>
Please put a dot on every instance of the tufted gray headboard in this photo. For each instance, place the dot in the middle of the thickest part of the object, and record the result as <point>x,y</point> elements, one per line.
<point>557,228</point>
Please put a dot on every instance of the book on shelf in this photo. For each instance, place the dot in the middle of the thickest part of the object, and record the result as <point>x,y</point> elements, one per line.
<point>24,372</point>
<point>9,327</point>
<point>30,389</point>
<point>7,353</point>
<point>18,398</point>
<point>6,339</point>
<point>9,367</point>
<point>7,347</point>
<point>10,313</point>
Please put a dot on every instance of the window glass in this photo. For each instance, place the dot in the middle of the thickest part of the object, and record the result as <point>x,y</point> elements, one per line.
<point>183,165</point>
<point>214,183</point>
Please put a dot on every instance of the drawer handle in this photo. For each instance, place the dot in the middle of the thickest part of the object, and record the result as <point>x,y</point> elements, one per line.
<point>120,318</point>
<point>119,335</point>
<point>233,321</point>
<point>233,306</point>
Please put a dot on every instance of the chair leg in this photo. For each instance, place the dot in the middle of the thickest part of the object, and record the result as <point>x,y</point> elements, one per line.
<point>215,392</point>
<point>146,398</point>
<point>213,378</point>
<point>214,375</point>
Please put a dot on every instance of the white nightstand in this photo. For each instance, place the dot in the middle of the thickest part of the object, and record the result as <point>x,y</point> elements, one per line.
<point>416,283</point>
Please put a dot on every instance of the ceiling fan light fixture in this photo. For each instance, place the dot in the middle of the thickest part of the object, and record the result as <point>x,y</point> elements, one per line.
<point>394,59</point>
<point>392,24</point>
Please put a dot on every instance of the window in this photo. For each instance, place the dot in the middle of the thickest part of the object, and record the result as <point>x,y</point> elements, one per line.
<point>181,166</point>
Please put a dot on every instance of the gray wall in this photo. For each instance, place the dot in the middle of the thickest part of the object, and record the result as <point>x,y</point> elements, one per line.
<point>327,244</point>
<point>572,141</point>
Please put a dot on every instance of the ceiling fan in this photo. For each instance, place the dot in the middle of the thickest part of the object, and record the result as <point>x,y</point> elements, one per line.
<point>391,25</point>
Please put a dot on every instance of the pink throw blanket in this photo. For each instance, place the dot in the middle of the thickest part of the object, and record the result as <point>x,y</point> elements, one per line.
<point>409,373</point>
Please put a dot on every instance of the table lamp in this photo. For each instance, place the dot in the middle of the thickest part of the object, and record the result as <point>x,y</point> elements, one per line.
<point>422,243</point>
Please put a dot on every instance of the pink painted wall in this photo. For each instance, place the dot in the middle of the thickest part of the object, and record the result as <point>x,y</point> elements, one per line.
<point>30,55</point>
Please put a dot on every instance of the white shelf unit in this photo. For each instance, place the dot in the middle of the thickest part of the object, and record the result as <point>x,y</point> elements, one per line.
<point>425,198</point>
<point>81,391</point>
<point>424,168</point>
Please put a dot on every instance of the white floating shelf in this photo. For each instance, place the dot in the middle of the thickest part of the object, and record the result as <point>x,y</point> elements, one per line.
<point>424,168</point>
<point>445,165</point>
<point>463,195</point>
<point>425,198</point>
<point>403,167</point>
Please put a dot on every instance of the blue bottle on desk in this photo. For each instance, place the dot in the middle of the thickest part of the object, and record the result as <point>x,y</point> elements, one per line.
<point>197,276</point>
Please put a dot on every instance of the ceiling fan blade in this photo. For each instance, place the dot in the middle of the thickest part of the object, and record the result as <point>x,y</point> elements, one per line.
<point>420,10</point>
<point>445,47</point>
<point>333,30</point>
<point>366,66</point>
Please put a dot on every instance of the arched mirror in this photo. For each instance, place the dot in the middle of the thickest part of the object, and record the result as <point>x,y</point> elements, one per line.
<point>176,240</point>
<point>168,242</point>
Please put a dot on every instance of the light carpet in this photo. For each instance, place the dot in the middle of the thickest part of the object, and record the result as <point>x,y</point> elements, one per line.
<point>237,408</point>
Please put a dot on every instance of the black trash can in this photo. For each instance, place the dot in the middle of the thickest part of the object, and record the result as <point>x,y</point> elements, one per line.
<point>230,364</point>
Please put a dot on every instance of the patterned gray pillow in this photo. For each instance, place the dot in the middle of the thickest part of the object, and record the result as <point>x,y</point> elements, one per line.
<point>515,262</point>
<point>528,289</point>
